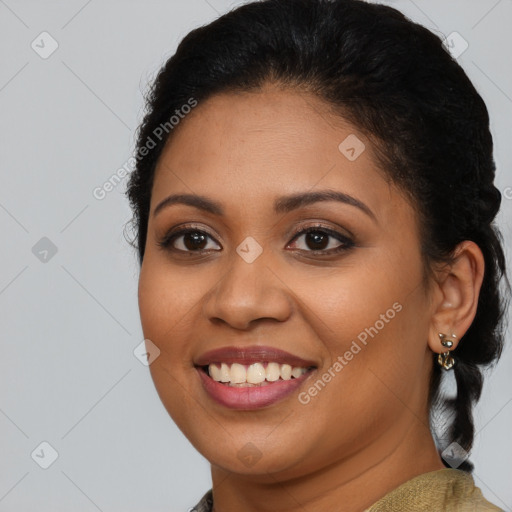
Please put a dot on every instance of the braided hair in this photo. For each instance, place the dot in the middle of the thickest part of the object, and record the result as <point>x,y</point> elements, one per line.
<point>397,83</point>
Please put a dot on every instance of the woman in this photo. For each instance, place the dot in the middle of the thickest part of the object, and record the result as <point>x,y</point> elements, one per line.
<point>313,204</point>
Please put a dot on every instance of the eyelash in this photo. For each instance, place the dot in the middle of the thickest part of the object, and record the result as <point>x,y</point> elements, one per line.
<point>346,243</point>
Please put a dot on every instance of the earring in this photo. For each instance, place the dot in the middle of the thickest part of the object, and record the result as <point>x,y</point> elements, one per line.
<point>445,359</point>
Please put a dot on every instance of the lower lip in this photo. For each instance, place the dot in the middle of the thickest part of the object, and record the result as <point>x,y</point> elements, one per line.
<point>250,397</point>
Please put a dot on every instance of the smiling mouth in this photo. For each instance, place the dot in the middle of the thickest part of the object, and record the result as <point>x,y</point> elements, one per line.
<point>257,374</point>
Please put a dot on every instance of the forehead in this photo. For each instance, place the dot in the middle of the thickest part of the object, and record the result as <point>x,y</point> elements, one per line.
<point>252,147</point>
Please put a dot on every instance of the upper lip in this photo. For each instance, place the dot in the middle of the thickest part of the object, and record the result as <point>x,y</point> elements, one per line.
<point>249,355</point>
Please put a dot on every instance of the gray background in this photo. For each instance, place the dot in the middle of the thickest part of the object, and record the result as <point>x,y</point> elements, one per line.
<point>70,324</point>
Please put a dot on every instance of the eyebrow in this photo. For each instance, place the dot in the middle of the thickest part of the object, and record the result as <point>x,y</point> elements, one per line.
<point>282,204</point>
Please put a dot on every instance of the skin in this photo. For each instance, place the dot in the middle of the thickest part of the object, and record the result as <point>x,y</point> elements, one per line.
<point>366,431</point>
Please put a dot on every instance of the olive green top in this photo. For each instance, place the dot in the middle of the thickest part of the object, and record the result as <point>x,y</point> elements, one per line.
<point>444,490</point>
<point>450,490</point>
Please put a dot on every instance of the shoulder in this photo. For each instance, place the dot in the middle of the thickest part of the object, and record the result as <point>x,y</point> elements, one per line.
<point>447,490</point>
<point>205,504</point>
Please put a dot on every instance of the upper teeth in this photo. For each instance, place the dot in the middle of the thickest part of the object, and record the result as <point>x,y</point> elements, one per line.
<point>255,373</point>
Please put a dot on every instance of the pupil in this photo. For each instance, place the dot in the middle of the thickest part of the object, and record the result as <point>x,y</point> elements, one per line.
<point>316,238</point>
<point>197,239</point>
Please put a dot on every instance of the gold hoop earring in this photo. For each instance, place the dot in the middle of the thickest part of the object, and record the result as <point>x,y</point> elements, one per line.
<point>445,359</point>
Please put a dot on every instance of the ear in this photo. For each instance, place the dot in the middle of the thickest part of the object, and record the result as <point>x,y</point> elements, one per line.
<point>455,296</point>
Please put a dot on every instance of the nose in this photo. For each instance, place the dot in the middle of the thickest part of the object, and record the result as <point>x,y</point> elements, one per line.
<point>247,292</point>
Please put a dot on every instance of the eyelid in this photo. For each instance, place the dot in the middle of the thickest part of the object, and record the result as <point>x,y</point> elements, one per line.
<point>346,242</point>
<point>319,225</point>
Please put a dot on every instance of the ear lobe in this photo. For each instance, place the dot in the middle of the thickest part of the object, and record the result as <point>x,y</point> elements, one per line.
<point>458,288</point>
<point>443,341</point>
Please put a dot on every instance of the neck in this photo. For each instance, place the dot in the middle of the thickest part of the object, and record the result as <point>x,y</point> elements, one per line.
<point>349,485</point>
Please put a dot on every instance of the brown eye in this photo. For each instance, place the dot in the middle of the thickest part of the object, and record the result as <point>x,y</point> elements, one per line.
<point>316,240</point>
<point>194,240</point>
<point>323,241</point>
<point>187,240</point>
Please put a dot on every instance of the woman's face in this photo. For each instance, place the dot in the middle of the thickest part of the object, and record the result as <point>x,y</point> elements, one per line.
<point>344,302</point>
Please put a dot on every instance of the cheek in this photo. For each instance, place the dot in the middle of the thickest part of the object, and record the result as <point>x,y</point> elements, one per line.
<point>370,318</point>
<point>168,301</point>
<point>374,375</point>
<point>353,302</point>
